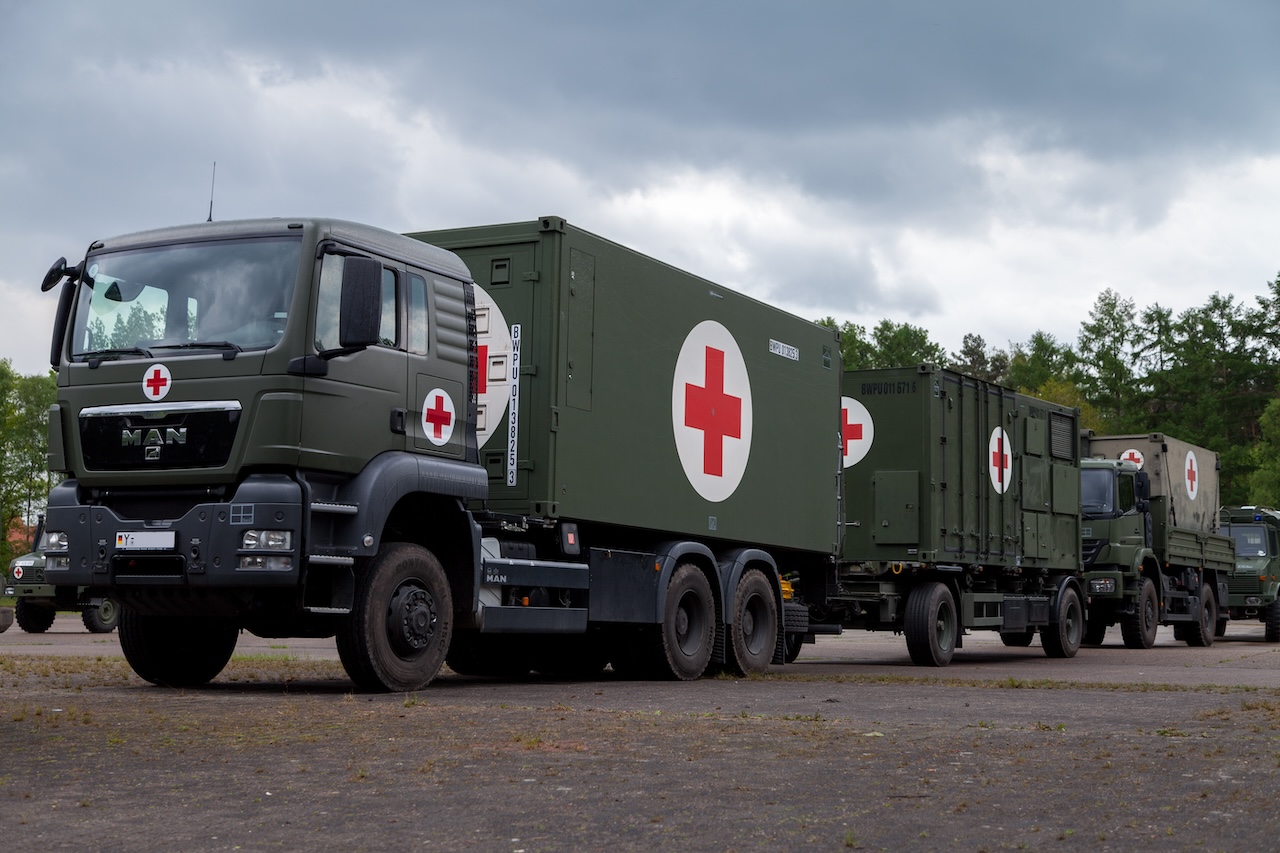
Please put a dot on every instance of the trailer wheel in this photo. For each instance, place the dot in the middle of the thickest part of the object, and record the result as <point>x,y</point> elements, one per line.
<point>688,623</point>
<point>1094,632</point>
<point>1220,630</point>
<point>931,624</point>
<point>34,618</point>
<point>1203,638</point>
<point>1018,639</point>
<point>754,632</point>
<point>398,631</point>
<point>1062,638</point>
<point>1271,633</point>
<point>103,618</point>
<point>1139,627</point>
<point>792,645</point>
<point>176,651</point>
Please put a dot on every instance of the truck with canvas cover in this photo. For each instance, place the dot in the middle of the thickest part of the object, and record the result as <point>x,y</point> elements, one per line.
<point>1254,585</point>
<point>556,454</point>
<point>1151,553</point>
<point>961,512</point>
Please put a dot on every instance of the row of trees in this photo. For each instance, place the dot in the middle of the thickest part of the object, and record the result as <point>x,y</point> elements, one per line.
<point>1207,375</point>
<point>24,475</point>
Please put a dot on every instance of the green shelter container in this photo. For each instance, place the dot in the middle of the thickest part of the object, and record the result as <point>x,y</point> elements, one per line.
<point>647,397</point>
<point>943,469</point>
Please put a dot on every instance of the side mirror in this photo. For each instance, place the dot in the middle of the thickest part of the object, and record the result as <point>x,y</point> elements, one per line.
<point>1142,491</point>
<point>361,317</point>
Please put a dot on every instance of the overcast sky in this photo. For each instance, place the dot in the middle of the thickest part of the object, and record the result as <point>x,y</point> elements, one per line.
<point>983,167</point>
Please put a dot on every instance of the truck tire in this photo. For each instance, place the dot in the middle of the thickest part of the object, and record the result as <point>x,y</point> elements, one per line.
<point>176,651</point>
<point>1018,639</point>
<point>931,624</point>
<point>1271,633</point>
<point>754,632</point>
<point>34,618</point>
<point>1095,631</point>
<point>792,646</point>
<point>103,618</point>
<point>1061,639</point>
<point>688,625</point>
<point>1203,638</point>
<point>398,632</point>
<point>1139,627</point>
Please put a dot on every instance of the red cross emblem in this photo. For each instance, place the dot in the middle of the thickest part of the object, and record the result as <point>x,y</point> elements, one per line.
<point>1001,464</point>
<point>717,414</point>
<point>711,411</point>
<point>1193,476</point>
<point>438,416</point>
<point>156,382</point>
<point>857,431</point>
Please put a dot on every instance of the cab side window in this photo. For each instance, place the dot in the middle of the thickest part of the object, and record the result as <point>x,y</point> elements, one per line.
<point>1127,497</point>
<point>418,320</point>
<point>387,335</point>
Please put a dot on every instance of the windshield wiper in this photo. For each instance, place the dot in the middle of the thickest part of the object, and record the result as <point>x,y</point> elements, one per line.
<point>98,356</point>
<point>232,349</point>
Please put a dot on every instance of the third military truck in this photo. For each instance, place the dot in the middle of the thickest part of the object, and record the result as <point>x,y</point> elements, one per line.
<point>1151,551</point>
<point>1255,582</point>
<point>519,447</point>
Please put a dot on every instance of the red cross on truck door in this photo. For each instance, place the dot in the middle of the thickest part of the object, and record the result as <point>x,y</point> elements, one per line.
<point>1000,460</point>
<point>156,382</point>
<point>1192,471</point>
<point>711,411</point>
<point>857,431</point>
<point>438,417</point>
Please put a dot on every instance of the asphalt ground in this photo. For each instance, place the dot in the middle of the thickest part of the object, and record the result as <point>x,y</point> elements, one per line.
<point>851,747</point>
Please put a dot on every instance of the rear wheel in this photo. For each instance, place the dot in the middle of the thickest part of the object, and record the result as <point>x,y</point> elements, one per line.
<point>1062,638</point>
<point>1271,633</point>
<point>103,618</point>
<point>688,624</point>
<point>1203,637</point>
<point>34,618</point>
<point>931,624</point>
<point>1139,627</point>
<point>754,632</point>
<point>399,628</point>
<point>1094,632</point>
<point>176,651</point>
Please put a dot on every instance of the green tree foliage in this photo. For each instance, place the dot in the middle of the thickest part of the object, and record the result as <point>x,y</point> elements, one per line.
<point>24,478</point>
<point>889,344</point>
<point>977,360</point>
<point>1106,358</point>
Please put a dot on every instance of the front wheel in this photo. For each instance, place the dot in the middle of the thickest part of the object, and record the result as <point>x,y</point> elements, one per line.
<point>399,628</point>
<point>1139,627</point>
<point>1018,639</point>
<point>931,624</point>
<point>103,618</point>
<point>176,651</point>
<point>34,618</point>
<point>754,632</point>
<point>1062,638</point>
<point>1203,637</point>
<point>1271,633</point>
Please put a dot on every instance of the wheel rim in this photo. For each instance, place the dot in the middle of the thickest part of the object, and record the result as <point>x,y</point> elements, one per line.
<point>944,627</point>
<point>411,619</point>
<point>1075,625</point>
<point>754,615</point>
<point>108,611</point>
<point>689,623</point>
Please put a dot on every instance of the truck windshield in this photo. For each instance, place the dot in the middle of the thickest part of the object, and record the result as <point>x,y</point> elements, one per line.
<point>1251,540</point>
<point>230,294</point>
<point>1097,493</point>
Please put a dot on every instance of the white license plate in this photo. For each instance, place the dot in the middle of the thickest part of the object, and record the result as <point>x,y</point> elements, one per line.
<point>146,540</point>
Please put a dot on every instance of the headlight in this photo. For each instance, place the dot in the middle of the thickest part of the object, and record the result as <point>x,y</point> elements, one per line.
<point>53,541</point>
<point>1102,586</point>
<point>267,540</point>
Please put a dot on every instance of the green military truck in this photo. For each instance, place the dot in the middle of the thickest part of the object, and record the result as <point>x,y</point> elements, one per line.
<point>38,602</point>
<point>960,512</point>
<point>1254,585</point>
<point>537,450</point>
<point>1149,506</point>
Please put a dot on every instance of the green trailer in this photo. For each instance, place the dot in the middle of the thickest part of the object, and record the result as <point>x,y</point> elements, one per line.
<point>960,512</point>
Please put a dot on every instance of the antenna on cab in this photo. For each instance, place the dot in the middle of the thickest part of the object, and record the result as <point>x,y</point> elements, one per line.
<point>212,181</point>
